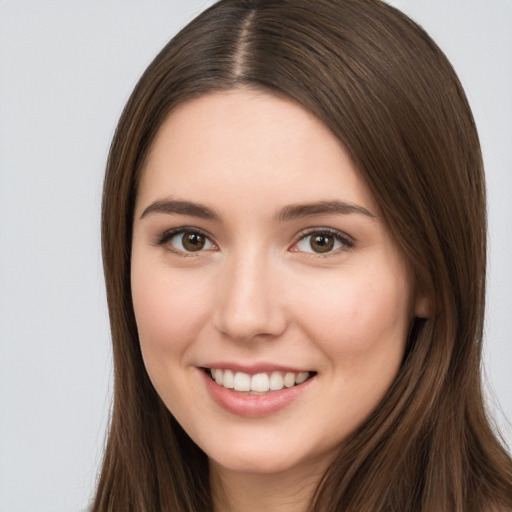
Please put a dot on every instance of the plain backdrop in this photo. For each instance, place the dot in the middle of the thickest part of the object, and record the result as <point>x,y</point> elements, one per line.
<point>66,70</point>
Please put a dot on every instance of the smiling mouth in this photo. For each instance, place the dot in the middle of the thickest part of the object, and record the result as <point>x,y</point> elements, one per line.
<point>259,383</point>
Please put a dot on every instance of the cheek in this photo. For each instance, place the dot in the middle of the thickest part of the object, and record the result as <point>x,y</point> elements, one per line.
<point>361,327</point>
<point>358,317</point>
<point>168,309</point>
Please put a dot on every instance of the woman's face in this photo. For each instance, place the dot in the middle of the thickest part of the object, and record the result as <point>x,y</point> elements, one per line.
<point>260,256</point>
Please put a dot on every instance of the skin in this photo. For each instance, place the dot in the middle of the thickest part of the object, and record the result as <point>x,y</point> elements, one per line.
<point>259,293</point>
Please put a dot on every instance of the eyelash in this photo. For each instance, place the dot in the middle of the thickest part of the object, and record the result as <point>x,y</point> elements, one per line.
<point>168,235</point>
<point>347,242</point>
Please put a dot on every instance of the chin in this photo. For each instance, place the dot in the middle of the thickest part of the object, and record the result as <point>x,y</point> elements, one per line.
<point>261,463</point>
<point>266,457</point>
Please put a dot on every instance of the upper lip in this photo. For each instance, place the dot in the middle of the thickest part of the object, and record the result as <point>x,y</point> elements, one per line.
<point>254,368</point>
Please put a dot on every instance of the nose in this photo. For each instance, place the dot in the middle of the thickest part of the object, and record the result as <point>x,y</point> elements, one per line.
<point>249,302</point>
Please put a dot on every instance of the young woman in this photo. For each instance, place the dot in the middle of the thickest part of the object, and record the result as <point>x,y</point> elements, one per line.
<point>294,246</point>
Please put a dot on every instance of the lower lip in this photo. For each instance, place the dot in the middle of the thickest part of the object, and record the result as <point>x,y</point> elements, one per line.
<point>254,406</point>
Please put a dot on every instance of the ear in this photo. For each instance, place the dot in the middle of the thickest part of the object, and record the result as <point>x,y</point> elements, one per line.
<point>422,305</point>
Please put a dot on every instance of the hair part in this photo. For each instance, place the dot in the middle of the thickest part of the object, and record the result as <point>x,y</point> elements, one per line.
<point>390,96</point>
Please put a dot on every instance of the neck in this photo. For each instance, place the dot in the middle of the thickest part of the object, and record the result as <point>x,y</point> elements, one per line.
<point>286,491</point>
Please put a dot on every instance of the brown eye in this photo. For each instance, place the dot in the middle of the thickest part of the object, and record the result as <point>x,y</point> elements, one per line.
<point>322,243</point>
<point>193,241</point>
<point>186,241</point>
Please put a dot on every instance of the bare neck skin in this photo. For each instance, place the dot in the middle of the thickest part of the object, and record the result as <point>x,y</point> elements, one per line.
<point>287,491</point>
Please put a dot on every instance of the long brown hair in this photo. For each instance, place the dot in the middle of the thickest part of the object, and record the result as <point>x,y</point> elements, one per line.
<point>389,94</point>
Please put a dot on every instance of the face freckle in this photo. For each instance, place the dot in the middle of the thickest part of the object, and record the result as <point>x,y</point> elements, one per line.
<point>257,176</point>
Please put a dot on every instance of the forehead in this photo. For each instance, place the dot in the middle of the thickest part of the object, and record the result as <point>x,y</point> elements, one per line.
<point>253,145</point>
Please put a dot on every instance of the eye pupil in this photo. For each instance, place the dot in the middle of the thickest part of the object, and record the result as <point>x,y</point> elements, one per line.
<point>322,243</point>
<point>193,241</point>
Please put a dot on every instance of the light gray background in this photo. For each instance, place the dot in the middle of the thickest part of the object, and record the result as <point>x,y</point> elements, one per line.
<point>66,70</point>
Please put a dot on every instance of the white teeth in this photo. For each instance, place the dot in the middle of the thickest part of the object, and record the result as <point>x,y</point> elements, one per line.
<point>289,380</point>
<point>242,382</point>
<point>276,381</point>
<point>259,382</point>
<point>301,377</point>
<point>229,379</point>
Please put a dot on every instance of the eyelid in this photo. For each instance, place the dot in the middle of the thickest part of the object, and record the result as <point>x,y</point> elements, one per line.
<point>347,241</point>
<point>162,239</point>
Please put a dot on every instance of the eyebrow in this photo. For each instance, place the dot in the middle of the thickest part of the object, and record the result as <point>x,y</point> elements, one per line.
<point>291,212</point>
<point>181,208</point>
<point>298,211</point>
